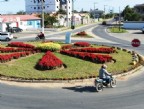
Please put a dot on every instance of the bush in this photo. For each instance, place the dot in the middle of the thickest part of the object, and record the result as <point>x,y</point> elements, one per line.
<point>49,46</point>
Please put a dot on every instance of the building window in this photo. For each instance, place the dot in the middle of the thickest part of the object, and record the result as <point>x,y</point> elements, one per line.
<point>38,23</point>
<point>38,7</point>
<point>21,23</point>
<point>34,7</point>
<point>65,7</point>
<point>57,7</point>
<point>29,23</point>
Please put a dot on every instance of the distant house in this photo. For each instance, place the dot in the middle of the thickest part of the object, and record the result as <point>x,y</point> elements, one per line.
<point>96,13</point>
<point>22,21</point>
<point>139,8</point>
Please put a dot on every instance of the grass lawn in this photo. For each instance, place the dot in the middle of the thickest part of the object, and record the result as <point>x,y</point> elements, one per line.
<point>24,67</point>
<point>117,30</point>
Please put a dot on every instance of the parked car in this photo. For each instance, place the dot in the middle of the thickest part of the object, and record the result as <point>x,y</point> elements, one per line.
<point>143,29</point>
<point>6,36</point>
<point>14,29</point>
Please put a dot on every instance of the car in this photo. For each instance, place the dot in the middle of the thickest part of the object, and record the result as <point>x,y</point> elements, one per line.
<point>143,30</point>
<point>14,29</point>
<point>6,36</point>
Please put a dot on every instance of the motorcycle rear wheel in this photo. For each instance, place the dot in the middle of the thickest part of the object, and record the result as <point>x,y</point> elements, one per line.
<point>99,87</point>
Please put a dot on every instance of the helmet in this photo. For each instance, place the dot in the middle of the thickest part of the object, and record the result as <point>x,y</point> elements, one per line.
<point>104,66</point>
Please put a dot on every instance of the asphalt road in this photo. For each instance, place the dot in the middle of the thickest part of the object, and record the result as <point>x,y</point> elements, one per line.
<point>129,93</point>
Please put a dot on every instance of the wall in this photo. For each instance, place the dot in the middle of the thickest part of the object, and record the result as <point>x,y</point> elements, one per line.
<point>133,24</point>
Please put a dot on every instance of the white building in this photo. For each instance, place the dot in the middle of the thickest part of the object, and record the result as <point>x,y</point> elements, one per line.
<point>23,21</point>
<point>50,6</point>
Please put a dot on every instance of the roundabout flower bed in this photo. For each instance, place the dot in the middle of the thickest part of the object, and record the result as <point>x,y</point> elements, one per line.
<point>81,62</point>
<point>82,34</point>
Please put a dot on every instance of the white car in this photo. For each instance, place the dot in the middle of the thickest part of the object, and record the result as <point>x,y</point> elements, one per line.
<point>6,36</point>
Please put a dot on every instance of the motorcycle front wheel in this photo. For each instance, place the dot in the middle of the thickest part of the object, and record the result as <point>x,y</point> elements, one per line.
<point>113,83</point>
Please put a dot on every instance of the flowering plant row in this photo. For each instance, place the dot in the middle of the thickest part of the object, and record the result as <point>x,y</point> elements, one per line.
<point>88,56</point>
<point>9,57</point>
<point>94,50</point>
<point>82,44</point>
<point>68,46</point>
<point>11,49</point>
<point>49,46</point>
<point>49,61</point>
<point>20,44</point>
<point>82,33</point>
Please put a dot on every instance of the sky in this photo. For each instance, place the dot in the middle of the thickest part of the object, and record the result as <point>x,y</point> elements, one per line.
<point>13,6</point>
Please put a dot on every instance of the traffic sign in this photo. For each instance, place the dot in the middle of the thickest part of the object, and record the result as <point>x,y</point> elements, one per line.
<point>135,42</point>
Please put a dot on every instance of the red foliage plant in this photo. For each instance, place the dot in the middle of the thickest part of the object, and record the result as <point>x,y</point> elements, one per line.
<point>82,44</point>
<point>82,33</point>
<point>49,61</point>
<point>94,50</point>
<point>20,44</point>
<point>88,56</point>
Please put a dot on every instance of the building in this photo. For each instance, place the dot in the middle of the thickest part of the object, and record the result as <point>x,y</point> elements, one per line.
<point>139,8</point>
<point>22,21</point>
<point>49,6</point>
<point>96,13</point>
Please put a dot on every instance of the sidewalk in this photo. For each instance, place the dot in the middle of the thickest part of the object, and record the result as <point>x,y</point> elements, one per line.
<point>130,35</point>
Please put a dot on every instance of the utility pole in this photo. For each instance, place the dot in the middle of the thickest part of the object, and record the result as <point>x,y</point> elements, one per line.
<point>67,17</point>
<point>119,18</point>
<point>94,10</point>
<point>72,18</point>
<point>42,13</point>
<point>104,11</point>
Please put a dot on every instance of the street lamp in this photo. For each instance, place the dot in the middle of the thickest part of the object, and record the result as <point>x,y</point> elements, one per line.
<point>42,5</point>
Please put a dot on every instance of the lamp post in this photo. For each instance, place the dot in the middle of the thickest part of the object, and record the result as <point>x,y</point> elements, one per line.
<point>42,13</point>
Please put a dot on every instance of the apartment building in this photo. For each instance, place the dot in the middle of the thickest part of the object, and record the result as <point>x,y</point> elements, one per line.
<point>49,6</point>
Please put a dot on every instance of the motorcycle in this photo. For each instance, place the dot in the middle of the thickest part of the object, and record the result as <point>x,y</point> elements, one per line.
<point>100,83</point>
<point>39,38</point>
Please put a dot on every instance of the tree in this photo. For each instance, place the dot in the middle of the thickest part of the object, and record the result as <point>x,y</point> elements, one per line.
<point>21,12</point>
<point>49,20</point>
<point>61,11</point>
<point>130,15</point>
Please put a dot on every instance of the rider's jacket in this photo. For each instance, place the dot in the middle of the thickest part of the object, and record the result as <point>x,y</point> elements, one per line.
<point>103,73</point>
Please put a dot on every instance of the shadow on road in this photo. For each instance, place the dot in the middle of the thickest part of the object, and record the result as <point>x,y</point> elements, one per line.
<point>81,88</point>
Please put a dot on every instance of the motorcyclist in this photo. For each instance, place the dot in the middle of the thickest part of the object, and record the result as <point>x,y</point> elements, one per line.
<point>104,74</point>
<point>41,35</point>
